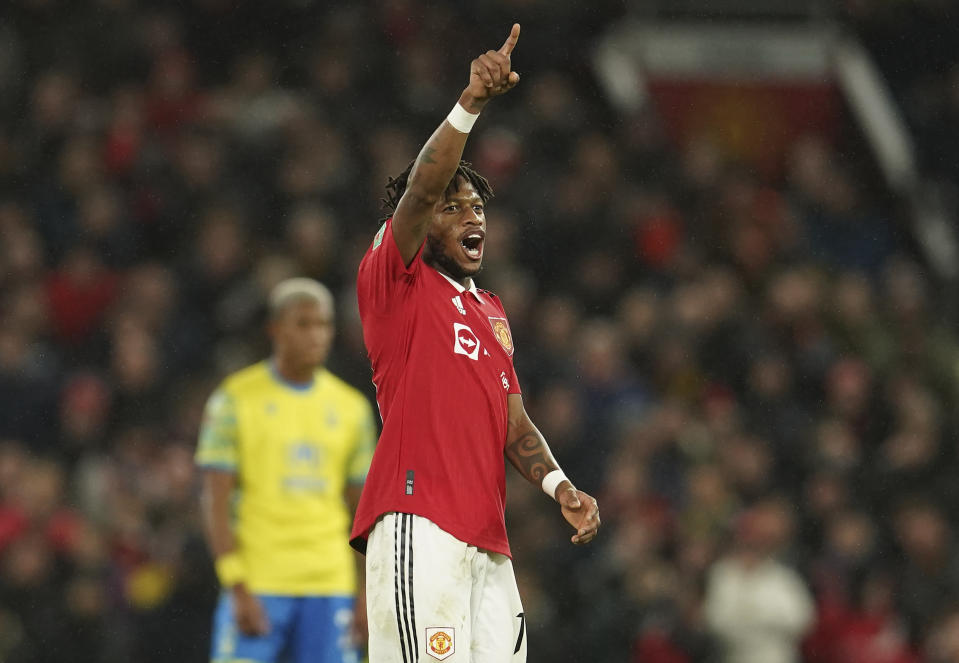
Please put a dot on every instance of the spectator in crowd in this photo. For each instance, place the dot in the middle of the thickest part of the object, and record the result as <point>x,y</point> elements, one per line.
<point>758,607</point>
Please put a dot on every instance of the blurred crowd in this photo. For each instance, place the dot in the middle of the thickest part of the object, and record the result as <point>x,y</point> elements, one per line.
<point>914,44</point>
<point>754,377</point>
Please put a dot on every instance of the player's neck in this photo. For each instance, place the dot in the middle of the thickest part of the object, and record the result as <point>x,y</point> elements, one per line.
<point>466,281</point>
<point>292,372</point>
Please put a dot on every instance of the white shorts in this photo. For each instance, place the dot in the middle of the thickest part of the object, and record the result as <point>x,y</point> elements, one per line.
<point>430,596</point>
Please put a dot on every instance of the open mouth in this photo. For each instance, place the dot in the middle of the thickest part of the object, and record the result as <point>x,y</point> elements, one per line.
<point>472,243</point>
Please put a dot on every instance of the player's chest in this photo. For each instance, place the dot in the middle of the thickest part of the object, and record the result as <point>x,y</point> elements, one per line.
<point>461,330</point>
<point>293,429</point>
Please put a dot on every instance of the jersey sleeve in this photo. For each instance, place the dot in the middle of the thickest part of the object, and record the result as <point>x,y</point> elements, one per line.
<point>383,275</point>
<point>358,464</point>
<point>514,387</point>
<point>217,445</point>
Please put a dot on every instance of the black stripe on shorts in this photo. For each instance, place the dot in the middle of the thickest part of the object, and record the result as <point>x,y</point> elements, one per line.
<point>403,586</point>
<point>396,584</point>
<point>416,642</point>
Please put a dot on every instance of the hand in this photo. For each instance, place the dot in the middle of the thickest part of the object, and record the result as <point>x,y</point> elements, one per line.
<point>249,613</point>
<point>490,74</point>
<point>580,510</point>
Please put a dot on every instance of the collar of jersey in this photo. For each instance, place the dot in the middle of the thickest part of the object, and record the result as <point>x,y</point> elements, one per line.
<point>295,386</point>
<point>459,288</point>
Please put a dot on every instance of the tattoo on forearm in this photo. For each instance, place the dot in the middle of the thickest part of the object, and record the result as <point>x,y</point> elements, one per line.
<point>427,155</point>
<point>531,456</point>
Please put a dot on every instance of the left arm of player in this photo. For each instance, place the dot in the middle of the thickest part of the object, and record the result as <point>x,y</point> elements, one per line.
<point>360,625</point>
<point>527,450</point>
<point>356,471</point>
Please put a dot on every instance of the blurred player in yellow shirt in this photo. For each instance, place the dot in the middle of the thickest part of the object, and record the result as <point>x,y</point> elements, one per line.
<point>285,446</point>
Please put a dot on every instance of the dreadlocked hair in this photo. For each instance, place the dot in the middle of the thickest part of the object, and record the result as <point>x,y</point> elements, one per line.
<point>396,186</point>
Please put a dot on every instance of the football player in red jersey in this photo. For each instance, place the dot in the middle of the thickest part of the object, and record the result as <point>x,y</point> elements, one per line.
<point>439,577</point>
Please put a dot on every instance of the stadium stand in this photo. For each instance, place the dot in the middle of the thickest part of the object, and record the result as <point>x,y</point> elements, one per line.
<point>750,369</point>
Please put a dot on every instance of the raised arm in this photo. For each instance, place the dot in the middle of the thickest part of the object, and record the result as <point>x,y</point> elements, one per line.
<point>527,450</point>
<point>490,76</point>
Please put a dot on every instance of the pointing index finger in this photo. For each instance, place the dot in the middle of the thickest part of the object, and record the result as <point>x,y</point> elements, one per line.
<point>510,42</point>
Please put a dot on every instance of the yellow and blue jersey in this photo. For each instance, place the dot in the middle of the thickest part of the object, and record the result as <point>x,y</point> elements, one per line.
<point>293,449</point>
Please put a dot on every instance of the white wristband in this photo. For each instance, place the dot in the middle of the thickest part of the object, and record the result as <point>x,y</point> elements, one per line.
<point>551,481</point>
<point>461,119</point>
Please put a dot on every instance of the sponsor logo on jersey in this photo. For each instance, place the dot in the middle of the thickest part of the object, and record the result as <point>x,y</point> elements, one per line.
<point>459,304</point>
<point>501,332</point>
<point>465,341</point>
<point>440,642</point>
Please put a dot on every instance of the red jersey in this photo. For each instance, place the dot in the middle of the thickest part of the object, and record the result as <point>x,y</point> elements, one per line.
<point>442,360</point>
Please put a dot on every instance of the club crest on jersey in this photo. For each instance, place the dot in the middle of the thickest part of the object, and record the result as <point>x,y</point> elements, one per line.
<point>440,642</point>
<point>458,303</point>
<point>465,341</point>
<point>501,332</point>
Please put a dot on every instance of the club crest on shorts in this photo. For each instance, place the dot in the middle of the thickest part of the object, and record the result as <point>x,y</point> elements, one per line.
<point>501,332</point>
<point>440,642</point>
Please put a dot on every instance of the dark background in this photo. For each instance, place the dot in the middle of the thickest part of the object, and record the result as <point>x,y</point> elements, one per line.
<point>705,345</point>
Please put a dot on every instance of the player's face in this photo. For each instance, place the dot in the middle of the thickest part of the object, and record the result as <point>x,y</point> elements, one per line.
<point>457,234</point>
<point>303,332</point>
